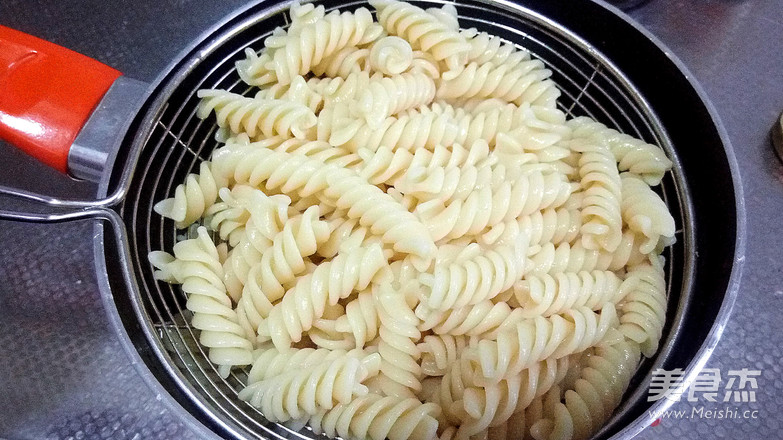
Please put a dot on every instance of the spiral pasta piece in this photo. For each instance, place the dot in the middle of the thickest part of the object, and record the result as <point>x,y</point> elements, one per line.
<point>475,279</point>
<point>413,130</point>
<point>253,306</point>
<point>196,265</point>
<point>339,90</point>
<point>360,319</point>
<point>446,14</point>
<point>385,166</point>
<point>546,295</point>
<point>408,131</point>
<point>489,405</point>
<point>382,215</point>
<point>540,338</point>
<point>391,55</point>
<point>645,213</point>
<point>423,31</point>
<point>461,376</point>
<point>293,173</point>
<point>552,225</point>
<point>320,151</point>
<point>268,214</point>
<point>391,95</point>
<point>489,206</point>
<point>594,396</point>
<point>253,69</point>
<point>643,310</point>
<point>299,239</point>
<point>567,258</point>
<point>192,198</point>
<point>473,154</point>
<point>236,270</point>
<point>439,352</point>
<point>425,63</point>
<point>303,15</point>
<point>448,184</point>
<point>343,62</point>
<point>495,404</point>
<point>297,393</point>
<point>531,142</point>
<point>499,234</point>
<point>228,217</point>
<point>398,332</point>
<point>277,91</point>
<point>346,233</point>
<point>600,181</point>
<point>274,170</point>
<point>299,92</point>
<point>483,319</point>
<point>494,120</point>
<point>325,37</point>
<point>648,161</point>
<point>331,281</point>
<point>527,82</point>
<point>256,116</point>
<point>377,417</point>
<point>504,403</point>
<point>323,335</point>
<point>299,19</point>
<point>271,362</point>
<point>476,105</point>
<point>487,48</point>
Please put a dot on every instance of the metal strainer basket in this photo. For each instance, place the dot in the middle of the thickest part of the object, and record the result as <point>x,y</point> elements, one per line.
<point>606,67</point>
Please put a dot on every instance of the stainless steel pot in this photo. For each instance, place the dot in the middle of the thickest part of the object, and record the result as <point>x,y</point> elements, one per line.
<point>143,139</point>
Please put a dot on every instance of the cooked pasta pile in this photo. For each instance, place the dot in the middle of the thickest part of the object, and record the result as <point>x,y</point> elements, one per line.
<point>403,237</point>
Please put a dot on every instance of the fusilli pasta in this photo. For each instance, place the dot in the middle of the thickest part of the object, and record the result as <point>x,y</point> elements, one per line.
<point>192,198</point>
<point>540,338</point>
<point>295,393</point>
<point>645,213</point>
<point>423,31</point>
<point>398,332</point>
<point>256,116</point>
<point>378,417</point>
<point>331,281</point>
<point>312,44</point>
<point>196,266</point>
<point>405,237</point>
<point>391,55</point>
<point>527,82</point>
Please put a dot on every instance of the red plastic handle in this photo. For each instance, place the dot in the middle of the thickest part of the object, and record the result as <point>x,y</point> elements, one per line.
<point>47,92</point>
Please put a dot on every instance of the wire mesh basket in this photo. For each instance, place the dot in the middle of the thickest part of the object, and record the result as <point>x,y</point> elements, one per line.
<point>173,142</point>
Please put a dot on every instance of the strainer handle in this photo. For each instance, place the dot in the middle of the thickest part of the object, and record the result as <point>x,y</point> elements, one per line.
<point>47,93</point>
<point>65,109</point>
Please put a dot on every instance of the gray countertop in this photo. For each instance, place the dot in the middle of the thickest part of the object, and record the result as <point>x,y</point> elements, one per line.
<point>64,374</point>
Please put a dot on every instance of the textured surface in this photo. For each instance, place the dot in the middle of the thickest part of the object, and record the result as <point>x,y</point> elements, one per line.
<point>62,371</point>
<point>733,49</point>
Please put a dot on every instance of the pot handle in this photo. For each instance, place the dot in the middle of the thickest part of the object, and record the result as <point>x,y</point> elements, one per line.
<point>47,93</point>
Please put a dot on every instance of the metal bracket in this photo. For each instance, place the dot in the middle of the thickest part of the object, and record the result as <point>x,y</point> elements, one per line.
<point>103,132</point>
